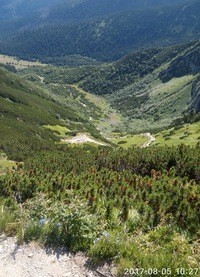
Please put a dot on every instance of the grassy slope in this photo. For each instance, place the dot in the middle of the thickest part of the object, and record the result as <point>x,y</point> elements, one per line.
<point>156,104</point>
<point>59,130</point>
<point>109,118</point>
<point>188,134</point>
<point>128,141</point>
<point>5,164</point>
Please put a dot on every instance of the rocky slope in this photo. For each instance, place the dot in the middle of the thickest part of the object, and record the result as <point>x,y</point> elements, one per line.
<point>186,63</point>
<point>195,105</point>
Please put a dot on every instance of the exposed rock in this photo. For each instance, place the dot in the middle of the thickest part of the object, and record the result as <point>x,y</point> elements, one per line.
<point>195,105</point>
<point>30,255</point>
<point>187,63</point>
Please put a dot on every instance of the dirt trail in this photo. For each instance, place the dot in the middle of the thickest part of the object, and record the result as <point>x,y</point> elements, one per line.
<point>151,139</point>
<point>82,138</point>
<point>34,261</point>
<point>41,79</point>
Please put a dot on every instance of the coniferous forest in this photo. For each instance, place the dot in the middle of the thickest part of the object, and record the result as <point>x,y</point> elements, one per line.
<point>138,208</point>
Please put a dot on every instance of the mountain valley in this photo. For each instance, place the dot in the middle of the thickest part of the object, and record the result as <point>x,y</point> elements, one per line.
<point>100,138</point>
<point>136,86</point>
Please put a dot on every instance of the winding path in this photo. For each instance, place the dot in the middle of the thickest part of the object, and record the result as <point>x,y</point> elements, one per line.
<point>41,79</point>
<point>151,139</point>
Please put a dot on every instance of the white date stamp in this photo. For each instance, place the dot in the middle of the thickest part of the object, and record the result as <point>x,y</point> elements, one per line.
<point>165,271</point>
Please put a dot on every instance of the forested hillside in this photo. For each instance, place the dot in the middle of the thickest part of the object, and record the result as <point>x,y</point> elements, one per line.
<point>74,11</point>
<point>109,37</point>
<point>10,9</point>
<point>129,69</point>
<point>23,12</point>
<point>29,114</point>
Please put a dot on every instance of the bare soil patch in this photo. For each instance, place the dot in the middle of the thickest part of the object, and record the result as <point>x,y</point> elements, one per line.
<point>82,138</point>
<point>30,260</point>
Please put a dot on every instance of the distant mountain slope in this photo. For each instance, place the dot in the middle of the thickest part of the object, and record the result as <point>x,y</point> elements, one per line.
<point>185,63</point>
<point>20,15</point>
<point>17,8</point>
<point>75,11</point>
<point>134,85</point>
<point>110,78</point>
<point>109,37</point>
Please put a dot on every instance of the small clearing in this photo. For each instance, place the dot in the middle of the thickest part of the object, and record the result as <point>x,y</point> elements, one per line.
<point>5,165</point>
<point>82,138</point>
<point>19,64</point>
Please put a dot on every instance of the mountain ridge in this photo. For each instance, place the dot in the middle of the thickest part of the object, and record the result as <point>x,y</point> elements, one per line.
<point>109,37</point>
